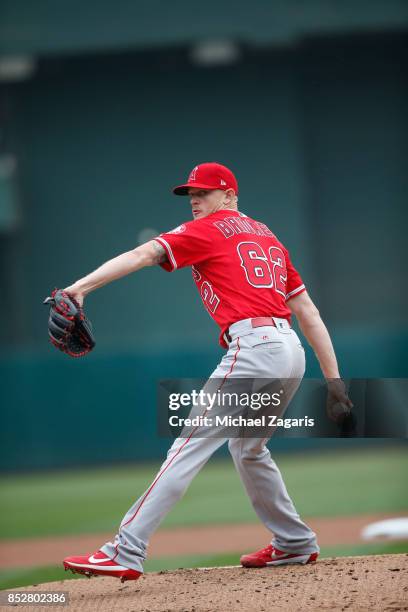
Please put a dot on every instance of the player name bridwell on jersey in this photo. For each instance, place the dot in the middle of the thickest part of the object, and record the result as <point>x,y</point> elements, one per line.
<point>240,225</point>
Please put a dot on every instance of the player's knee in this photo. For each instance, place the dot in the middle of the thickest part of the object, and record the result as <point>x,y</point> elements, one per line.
<point>238,451</point>
<point>175,447</point>
<point>247,450</point>
<point>234,446</point>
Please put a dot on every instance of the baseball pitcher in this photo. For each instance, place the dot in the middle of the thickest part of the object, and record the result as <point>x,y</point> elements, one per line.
<point>250,287</point>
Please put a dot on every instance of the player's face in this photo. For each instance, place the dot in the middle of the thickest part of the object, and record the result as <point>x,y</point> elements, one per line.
<point>205,202</point>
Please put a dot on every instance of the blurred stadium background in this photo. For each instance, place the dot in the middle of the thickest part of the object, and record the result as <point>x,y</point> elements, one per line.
<point>102,111</point>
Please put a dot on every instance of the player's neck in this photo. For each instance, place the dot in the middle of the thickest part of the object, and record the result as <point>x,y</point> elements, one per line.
<point>229,207</point>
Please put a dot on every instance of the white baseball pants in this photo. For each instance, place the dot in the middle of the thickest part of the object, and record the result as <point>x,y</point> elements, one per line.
<point>260,353</point>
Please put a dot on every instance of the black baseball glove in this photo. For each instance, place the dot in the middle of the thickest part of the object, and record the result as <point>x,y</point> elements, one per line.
<point>68,328</point>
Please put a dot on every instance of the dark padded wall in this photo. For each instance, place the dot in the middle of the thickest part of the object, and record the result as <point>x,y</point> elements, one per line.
<point>356,152</point>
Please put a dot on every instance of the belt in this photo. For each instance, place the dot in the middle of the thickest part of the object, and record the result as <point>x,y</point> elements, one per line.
<point>263,322</point>
<point>256,322</point>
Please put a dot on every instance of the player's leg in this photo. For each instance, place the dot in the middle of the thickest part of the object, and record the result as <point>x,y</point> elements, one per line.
<point>259,473</point>
<point>124,557</point>
<point>267,491</point>
<point>184,460</point>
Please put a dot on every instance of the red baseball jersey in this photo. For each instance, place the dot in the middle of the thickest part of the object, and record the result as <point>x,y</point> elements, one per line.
<point>239,266</point>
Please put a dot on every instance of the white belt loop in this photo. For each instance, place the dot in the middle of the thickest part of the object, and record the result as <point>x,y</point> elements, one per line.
<point>281,324</point>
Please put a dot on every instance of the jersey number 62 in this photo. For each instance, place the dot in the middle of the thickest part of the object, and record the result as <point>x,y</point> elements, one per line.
<point>261,270</point>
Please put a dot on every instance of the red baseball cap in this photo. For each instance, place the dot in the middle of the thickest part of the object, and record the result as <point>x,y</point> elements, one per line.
<point>209,176</point>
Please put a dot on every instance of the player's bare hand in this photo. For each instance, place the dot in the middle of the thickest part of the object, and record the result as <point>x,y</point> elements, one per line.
<point>75,293</point>
<point>338,404</point>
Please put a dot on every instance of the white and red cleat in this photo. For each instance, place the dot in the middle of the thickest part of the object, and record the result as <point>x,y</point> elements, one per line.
<point>272,556</point>
<point>98,564</point>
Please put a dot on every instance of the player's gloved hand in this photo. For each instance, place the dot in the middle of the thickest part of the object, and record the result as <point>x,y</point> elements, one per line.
<point>68,328</point>
<point>338,403</point>
<point>75,294</point>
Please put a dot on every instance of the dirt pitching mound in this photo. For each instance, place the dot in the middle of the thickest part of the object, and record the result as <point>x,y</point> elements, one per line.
<point>349,583</point>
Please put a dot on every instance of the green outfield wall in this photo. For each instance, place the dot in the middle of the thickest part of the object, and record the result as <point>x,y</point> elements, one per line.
<point>59,412</point>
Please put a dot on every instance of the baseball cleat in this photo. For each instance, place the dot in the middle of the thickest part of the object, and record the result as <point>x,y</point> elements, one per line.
<point>98,564</point>
<point>272,556</point>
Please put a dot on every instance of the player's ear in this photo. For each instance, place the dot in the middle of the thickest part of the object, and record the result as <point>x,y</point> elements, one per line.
<point>230,196</point>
